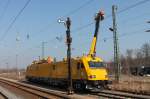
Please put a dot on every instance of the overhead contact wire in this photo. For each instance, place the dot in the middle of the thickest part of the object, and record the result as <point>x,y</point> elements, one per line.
<point>12,23</point>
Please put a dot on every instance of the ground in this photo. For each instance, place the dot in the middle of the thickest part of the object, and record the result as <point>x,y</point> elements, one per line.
<point>135,84</point>
<point>128,83</point>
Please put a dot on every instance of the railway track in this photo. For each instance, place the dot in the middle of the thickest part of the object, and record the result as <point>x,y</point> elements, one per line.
<point>48,94</point>
<point>119,95</point>
<point>116,94</point>
<point>37,91</point>
<point>3,96</point>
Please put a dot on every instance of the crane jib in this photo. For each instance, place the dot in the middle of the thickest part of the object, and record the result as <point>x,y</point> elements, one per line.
<point>97,27</point>
<point>93,45</point>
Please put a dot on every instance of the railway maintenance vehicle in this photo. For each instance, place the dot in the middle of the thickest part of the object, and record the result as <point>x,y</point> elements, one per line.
<point>88,71</point>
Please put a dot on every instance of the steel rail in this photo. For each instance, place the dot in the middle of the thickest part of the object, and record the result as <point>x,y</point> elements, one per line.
<point>120,95</point>
<point>40,92</point>
<point>45,93</point>
<point>3,95</point>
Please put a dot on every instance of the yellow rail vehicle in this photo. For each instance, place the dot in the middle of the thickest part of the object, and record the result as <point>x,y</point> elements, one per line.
<point>88,71</point>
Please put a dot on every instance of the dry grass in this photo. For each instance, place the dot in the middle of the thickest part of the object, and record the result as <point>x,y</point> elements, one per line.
<point>134,84</point>
<point>14,75</point>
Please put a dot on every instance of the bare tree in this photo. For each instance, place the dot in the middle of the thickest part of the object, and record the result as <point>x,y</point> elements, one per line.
<point>123,64</point>
<point>134,59</point>
<point>138,58</point>
<point>146,53</point>
<point>129,59</point>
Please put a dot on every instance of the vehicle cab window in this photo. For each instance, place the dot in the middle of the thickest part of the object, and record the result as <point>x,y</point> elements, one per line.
<point>78,65</point>
<point>96,64</point>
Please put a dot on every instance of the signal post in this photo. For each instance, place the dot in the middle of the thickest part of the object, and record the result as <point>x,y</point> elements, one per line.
<point>67,23</point>
<point>69,40</point>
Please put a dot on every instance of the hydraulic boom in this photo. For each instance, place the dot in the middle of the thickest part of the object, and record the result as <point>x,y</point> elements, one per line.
<point>99,17</point>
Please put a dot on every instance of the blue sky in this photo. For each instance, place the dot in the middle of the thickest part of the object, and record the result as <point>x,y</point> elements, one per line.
<point>39,21</point>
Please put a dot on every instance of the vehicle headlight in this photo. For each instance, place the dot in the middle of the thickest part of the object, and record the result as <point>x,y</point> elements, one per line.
<point>92,76</point>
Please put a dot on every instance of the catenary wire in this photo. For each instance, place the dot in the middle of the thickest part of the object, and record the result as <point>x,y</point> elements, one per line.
<point>4,11</point>
<point>14,20</point>
<point>66,15</point>
<point>121,11</point>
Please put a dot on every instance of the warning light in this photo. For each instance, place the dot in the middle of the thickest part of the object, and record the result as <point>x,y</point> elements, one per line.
<point>101,13</point>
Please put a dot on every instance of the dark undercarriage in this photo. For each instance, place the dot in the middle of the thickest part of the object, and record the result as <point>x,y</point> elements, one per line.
<point>77,84</point>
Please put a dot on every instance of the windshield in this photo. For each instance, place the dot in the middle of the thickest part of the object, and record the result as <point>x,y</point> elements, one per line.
<point>96,64</point>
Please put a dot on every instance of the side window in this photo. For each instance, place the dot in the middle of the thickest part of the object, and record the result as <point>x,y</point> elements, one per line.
<point>82,66</point>
<point>37,67</point>
<point>53,67</point>
<point>78,66</point>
